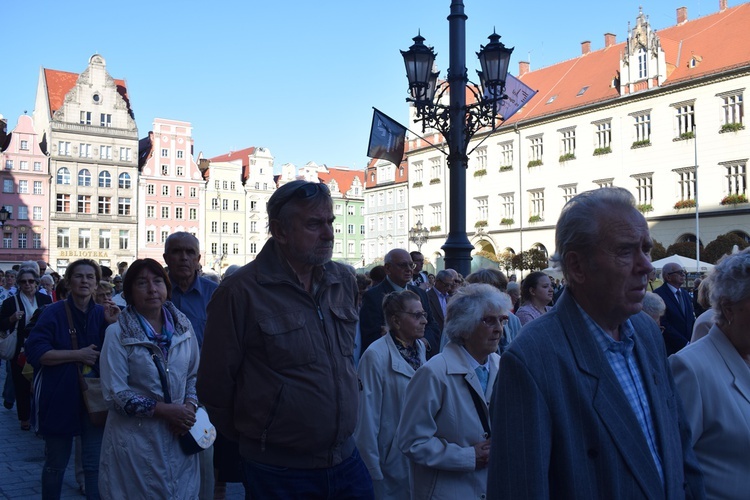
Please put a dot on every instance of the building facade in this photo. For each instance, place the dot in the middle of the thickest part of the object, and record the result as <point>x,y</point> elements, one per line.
<point>387,209</point>
<point>661,114</point>
<point>89,132</point>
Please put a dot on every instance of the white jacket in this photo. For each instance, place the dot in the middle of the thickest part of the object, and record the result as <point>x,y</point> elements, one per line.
<point>384,375</point>
<point>440,425</point>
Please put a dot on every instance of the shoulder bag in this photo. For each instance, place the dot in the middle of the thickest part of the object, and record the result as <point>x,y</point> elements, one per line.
<point>91,387</point>
<point>9,340</point>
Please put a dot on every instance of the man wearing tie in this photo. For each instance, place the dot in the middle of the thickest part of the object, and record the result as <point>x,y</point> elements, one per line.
<point>438,295</point>
<point>678,318</point>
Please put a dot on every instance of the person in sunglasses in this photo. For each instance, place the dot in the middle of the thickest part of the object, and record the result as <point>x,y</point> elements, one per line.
<point>276,371</point>
<point>679,317</point>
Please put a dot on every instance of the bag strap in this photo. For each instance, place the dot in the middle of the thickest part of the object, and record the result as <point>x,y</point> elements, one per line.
<point>162,378</point>
<point>18,308</point>
<point>481,407</point>
<point>74,340</point>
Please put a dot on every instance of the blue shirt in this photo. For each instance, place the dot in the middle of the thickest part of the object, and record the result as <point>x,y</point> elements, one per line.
<point>624,365</point>
<point>194,302</point>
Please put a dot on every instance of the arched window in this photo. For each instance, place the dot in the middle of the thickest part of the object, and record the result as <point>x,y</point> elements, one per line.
<point>63,176</point>
<point>124,181</point>
<point>105,179</point>
<point>84,177</point>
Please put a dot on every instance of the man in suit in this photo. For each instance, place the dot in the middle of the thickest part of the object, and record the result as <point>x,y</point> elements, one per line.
<point>398,270</point>
<point>585,405</point>
<point>420,277</point>
<point>678,318</point>
<point>445,285</point>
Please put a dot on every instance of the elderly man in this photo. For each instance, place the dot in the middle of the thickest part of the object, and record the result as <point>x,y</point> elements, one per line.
<point>398,271</point>
<point>679,318</point>
<point>276,370</point>
<point>585,405</point>
<point>445,285</point>
<point>191,294</point>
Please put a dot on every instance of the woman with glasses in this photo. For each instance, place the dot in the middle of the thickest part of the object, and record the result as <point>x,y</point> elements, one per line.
<point>15,314</point>
<point>444,428</point>
<point>384,371</point>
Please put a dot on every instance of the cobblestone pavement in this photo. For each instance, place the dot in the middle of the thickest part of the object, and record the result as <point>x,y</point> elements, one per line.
<point>22,458</point>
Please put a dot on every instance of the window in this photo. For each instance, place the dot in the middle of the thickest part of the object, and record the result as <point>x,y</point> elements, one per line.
<point>604,183</point>
<point>685,118</point>
<point>165,153</point>
<point>235,228</point>
<point>236,205</point>
<point>8,164</point>
<point>337,209</point>
<point>150,236</point>
<point>123,207</point>
<point>644,186</point>
<point>125,154</point>
<point>253,248</point>
<point>179,213</point>
<point>214,248</point>
<point>214,227</point>
<point>603,134</point>
<point>23,187</point>
<point>482,208</point>
<point>350,229</point>
<point>178,191</point>
<point>105,120</point>
<point>105,205</point>
<point>400,196</point>
<point>85,118</point>
<point>63,203</point>
<point>537,203</point>
<point>214,203</point>
<point>337,228</point>
<point>569,191</point>
<point>105,235</point>
<point>63,148</point>
<point>84,151</point>
<point>105,152</point>
<point>233,186</point>
<point>84,177</point>
<point>63,176</point>
<point>7,240</point>
<point>642,127</point>
<point>642,63</point>
<point>686,183</point>
<point>253,226</point>
<point>23,212</point>
<point>418,171</point>
<point>732,108</point>
<point>150,189</point>
<point>193,214</point>
<point>165,190</point>
<point>235,249</point>
<point>180,155</point>
<point>124,181</point>
<point>164,236</point>
<point>22,240</point>
<point>224,248</point>
<point>337,247</point>
<point>8,186</point>
<point>164,169</point>
<point>165,212</point>
<point>24,145</point>
<point>193,192</point>
<point>179,169</point>
<point>481,163</point>
<point>225,204</point>
<point>105,179</point>
<point>150,212</point>
<point>568,143</point>
<point>36,240</point>
<point>37,187</point>
<point>506,154</point>
<point>736,178</point>
<point>217,185</point>
<point>84,204</point>
<point>84,238</point>
<point>537,148</point>
<point>24,165</point>
<point>418,214</point>
<point>350,248</point>
<point>224,185</point>
<point>37,166</point>
<point>437,214</point>
<point>436,168</point>
<point>124,239</point>
<point>37,213</point>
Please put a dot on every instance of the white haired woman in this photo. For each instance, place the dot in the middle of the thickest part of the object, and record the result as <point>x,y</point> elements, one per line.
<point>713,379</point>
<point>444,428</point>
<point>385,370</point>
<point>654,306</point>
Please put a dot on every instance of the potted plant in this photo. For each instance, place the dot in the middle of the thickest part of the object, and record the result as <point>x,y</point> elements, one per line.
<point>535,218</point>
<point>602,151</point>
<point>641,144</point>
<point>507,221</point>
<point>436,180</point>
<point>435,229</point>
<point>567,157</point>
<point>480,173</point>
<point>505,168</point>
<point>480,223</point>
<point>731,127</point>
<point>645,208</point>
<point>534,163</point>
<point>417,184</point>
<point>734,199</point>
<point>684,204</point>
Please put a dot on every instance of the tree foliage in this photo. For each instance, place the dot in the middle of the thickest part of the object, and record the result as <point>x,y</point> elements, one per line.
<point>721,246</point>
<point>658,251</point>
<point>684,248</point>
<point>534,260</point>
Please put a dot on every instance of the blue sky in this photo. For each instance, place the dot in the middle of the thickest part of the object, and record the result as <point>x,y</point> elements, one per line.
<point>298,77</point>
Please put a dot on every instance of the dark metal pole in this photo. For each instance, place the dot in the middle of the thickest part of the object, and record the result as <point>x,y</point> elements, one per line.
<point>457,246</point>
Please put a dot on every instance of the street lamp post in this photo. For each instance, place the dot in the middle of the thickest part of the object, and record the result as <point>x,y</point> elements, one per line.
<point>418,235</point>
<point>457,122</point>
<point>4,214</point>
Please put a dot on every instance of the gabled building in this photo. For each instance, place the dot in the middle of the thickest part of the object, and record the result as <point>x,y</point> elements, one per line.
<point>25,195</point>
<point>170,187</point>
<point>661,114</point>
<point>386,209</point>
<point>88,126</point>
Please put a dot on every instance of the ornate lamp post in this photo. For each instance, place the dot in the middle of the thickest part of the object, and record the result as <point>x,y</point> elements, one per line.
<point>458,122</point>
<point>418,235</point>
<point>4,214</point>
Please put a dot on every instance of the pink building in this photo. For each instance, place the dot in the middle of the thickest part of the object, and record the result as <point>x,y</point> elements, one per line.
<point>25,194</point>
<point>170,187</point>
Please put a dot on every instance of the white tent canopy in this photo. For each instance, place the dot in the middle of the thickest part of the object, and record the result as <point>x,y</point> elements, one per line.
<point>686,263</point>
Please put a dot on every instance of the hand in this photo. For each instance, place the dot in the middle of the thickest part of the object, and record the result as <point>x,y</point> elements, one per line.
<point>89,355</point>
<point>482,451</point>
<point>111,311</point>
<point>16,316</point>
<point>180,417</point>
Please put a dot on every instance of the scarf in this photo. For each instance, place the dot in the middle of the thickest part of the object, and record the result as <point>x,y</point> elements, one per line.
<point>162,339</point>
<point>30,305</point>
<point>410,353</point>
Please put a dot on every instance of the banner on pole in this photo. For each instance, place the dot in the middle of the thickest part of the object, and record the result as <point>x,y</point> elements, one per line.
<point>387,138</point>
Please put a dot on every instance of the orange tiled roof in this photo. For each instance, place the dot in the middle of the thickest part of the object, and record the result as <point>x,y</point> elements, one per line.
<point>343,177</point>
<point>709,37</point>
<point>59,83</point>
<point>242,155</point>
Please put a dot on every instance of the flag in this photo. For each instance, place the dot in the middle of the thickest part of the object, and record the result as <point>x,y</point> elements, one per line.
<point>518,94</point>
<point>387,138</point>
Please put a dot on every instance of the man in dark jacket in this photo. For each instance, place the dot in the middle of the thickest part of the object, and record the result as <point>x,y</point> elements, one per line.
<point>276,369</point>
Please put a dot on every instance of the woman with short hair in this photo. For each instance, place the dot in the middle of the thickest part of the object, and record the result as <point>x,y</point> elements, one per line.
<point>444,427</point>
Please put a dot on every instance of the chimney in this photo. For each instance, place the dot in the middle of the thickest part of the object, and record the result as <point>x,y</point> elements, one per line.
<point>609,40</point>
<point>585,47</point>
<point>722,5</point>
<point>682,15</point>
<point>523,67</point>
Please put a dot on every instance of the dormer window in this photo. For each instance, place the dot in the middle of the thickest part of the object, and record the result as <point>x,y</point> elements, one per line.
<point>642,63</point>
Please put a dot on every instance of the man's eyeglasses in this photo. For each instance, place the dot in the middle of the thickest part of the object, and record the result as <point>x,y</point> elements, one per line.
<point>405,265</point>
<point>493,320</point>
<point>25,282</point>
<point>416,315</point>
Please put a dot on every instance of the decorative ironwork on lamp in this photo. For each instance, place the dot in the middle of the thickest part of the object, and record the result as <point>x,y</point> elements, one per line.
<point>4,214</point>
<point>418,235</point>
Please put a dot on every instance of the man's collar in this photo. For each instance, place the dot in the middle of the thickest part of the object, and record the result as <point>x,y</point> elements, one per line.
<point>673,288</point>
<point>395,286</point>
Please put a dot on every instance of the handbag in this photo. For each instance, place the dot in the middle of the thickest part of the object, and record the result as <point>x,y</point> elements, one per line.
<point>9,340</point>
<point>91,387</point>
<point>203,434</point>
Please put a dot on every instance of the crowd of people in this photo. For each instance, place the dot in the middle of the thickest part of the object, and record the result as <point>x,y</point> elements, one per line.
<point>394,384</point>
